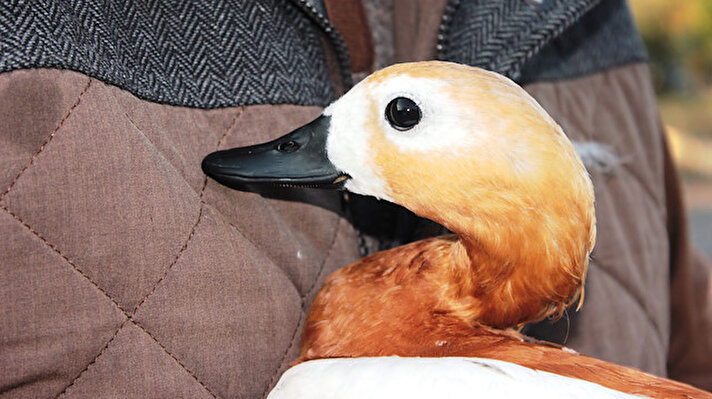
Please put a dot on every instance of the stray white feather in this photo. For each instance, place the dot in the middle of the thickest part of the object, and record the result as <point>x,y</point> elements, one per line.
<point>597,157</point>
<point>421,378</point>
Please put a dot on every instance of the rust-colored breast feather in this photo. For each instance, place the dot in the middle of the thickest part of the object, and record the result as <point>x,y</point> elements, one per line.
<point>377,304</point>
<point>394,303</point>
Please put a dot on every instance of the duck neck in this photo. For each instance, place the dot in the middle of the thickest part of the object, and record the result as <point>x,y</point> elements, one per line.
<point>506,272</point>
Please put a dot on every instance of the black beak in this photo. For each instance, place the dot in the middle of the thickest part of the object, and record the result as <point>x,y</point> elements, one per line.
<point>297,159</point>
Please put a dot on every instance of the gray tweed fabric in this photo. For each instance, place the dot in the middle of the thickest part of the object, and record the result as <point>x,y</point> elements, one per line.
<point>203,54</point>
<point>232,52</point>
<point>504,35</point>
<point>603,38</point>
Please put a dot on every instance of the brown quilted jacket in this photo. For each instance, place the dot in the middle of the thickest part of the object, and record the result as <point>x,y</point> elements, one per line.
<point>124,272</point>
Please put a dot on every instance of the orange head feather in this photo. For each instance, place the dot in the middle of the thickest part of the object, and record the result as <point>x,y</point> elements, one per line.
<point>487,162</point>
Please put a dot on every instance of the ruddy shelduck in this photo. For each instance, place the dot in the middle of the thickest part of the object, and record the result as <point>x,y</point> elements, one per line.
<point>474,152</point>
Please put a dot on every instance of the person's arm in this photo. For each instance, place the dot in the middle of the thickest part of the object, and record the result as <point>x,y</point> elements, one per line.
<point>690,351</point>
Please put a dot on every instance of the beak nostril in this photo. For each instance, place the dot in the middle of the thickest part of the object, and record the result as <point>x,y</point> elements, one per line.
<point>288,146</point>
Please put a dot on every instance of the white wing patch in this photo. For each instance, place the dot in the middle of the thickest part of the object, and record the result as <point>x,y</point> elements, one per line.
<point>416,378</point>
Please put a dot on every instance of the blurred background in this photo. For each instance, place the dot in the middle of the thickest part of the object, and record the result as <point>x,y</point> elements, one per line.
<point>678,35</point>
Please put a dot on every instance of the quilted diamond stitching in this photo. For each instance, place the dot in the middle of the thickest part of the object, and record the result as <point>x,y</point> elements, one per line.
<point>636,300</point>
<point>96,302</point>
<point>167,352</point>
<point>108,343</point>
<point>223,199</point>
<point>200,215</point>
<point>100,90</point>
<point>49,138</point>
<point>158,282</point>
<point>221,266</point>
<point>129,315</point>
<point>62,255</point>
<point>613,271</point>
<point>101,352</point>
<point>303,300</point>
<point>309,290</point>
<point>177,149</point>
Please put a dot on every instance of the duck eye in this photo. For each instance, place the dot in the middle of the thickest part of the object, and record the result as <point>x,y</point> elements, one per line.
<point>403,113</point>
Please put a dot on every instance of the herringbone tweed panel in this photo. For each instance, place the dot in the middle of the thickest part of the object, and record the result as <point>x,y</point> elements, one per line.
<point>203,54</point>
<point>603,38</point>
<point>502,35</point>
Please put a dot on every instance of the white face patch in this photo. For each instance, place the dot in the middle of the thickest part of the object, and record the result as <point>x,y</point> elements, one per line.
<point>347,143</point>
<point>441,127</point>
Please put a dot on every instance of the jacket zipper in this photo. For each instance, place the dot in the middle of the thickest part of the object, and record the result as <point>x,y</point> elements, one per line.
<point>334,38</point>
<point>444,28</point>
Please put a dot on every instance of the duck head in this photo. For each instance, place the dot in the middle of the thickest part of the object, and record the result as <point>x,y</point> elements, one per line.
<point>459,145</point>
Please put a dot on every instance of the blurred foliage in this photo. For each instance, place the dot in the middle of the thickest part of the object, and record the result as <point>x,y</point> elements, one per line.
<point>691,113</point>
<point>678,35</point>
